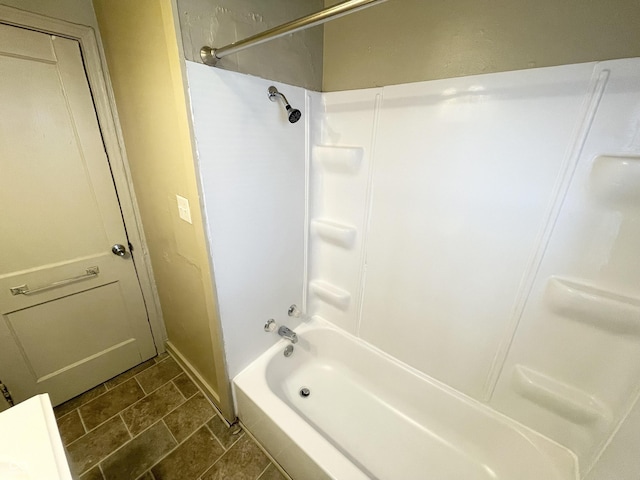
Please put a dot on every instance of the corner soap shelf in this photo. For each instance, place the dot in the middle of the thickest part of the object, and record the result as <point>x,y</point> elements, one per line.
<point>615,180</point>
<point>566,400</point>
<point>339,159</point>
<point>593,306</point>
<point>333,232</point>
<point>330,294</point>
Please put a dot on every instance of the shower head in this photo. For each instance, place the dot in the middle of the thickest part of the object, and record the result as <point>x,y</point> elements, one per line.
<point>292,113</point>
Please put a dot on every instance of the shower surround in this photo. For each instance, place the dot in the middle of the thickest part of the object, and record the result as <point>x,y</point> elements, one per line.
<point>481,230</point>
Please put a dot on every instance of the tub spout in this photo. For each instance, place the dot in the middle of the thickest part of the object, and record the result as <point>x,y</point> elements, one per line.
<point>286,332</point>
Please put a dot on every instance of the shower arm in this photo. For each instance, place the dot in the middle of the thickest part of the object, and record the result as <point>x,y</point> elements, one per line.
<point>210,56</point>
<point>274,94</point>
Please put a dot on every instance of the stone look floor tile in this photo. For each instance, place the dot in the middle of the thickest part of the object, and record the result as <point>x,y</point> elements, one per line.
<point>90,449</point>
<point>93,474</point>
<point>185,385</point>
<point>158,375</point>
<point>243,461</point>
<point>80,400</point>
<point>272,473</point>
<point>123,377</point>
<point>223,432</point>
<point>194,456</point>
<point>70,427</point>
<point>110,443</point>
<point>138,455</point>
<point>190,416</point>
<point>110,403</point>
<point>152,408</point>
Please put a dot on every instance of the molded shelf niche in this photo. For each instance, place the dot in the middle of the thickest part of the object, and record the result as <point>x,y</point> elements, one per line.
<point>336,233</point>
<point>600,308</point>
<point>615,180</point>
<point>339,159</point>
<point>567,401</point>
<point>330,294</point>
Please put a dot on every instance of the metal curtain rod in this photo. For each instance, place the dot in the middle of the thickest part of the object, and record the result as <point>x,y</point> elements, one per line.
<point>210,56</point>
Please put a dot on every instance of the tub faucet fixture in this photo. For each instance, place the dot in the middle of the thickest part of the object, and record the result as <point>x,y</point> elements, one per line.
<point>286,332</point>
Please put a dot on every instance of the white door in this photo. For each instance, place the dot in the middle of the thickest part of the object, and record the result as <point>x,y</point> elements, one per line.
<point>72,311</point>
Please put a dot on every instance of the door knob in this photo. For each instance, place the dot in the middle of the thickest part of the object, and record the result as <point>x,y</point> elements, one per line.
<point>119,250</point>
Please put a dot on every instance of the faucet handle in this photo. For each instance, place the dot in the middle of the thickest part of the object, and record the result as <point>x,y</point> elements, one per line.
<point>270,325</point>
<point>294,311</point>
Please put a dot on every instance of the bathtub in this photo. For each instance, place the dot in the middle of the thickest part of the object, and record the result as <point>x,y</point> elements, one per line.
<point>367,416</point>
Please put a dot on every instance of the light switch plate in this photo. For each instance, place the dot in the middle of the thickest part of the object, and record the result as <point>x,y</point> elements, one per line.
<point>183,209</point>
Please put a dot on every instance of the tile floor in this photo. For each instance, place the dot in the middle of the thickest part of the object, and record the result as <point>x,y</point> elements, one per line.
<point>153,423</point>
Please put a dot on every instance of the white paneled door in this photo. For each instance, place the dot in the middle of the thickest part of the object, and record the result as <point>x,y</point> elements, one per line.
<point>72,310</point>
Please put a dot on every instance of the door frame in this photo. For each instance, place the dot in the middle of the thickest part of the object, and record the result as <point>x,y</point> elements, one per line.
<point>105,106</point>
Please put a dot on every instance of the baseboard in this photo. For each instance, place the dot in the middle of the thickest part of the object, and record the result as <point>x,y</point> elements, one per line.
<point>196,378</point>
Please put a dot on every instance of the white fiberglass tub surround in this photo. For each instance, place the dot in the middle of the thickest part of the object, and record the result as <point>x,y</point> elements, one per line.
<point>482,230</point>
<point>369,416</point>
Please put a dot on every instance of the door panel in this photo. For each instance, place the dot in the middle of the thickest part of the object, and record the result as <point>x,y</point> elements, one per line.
<point>60,216</point>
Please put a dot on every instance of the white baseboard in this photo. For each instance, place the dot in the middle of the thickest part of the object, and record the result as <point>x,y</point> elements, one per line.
<point>196,378</point>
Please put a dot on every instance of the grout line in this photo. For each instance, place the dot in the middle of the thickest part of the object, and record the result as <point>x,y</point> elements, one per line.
<point>125,425</point>
<point>216,437</point>
<point>126,408</point>
<point>86,430</point>
<point>153,392</point>
<point>171,381</point>
<point>226,450</point>
<point>113,452</point>
<point>174,384</point>
<point>197,385</point>
<point>100,470</point>
<point>84,427</point>
<point>266,452</point>
<point>83,403</point>
<point>178,446</point>
<point>158,388</point>
<point>263,471</point>
<point>111,388</point>
<point>98,426</point>
<point>171,433</point>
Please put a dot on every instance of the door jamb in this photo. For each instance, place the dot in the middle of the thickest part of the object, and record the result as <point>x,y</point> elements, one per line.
<point>104,103</point>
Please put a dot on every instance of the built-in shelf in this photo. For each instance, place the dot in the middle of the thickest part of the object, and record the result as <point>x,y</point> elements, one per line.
<point>615,180</point>
<point>565,400</point>
<point>339,159</point>
<point>330,294</point>
<point>593,306</point>
<point>334,232</point>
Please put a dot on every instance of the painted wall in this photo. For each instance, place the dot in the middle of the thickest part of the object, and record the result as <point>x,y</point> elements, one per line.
<point>404,41</point>
<point>151,103</point>
<point>483,230</point>
<point>252,164</point>
<point>295,59</point>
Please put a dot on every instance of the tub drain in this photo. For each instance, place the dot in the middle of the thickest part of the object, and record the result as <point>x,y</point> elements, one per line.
<point>305,392</point>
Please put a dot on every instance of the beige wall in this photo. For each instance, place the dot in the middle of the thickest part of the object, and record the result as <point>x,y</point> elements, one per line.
<point>404,41</point>
<point>151,102</point>
<point>294,59</point>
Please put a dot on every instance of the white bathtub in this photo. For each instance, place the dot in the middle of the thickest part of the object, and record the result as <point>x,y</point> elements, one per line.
<point>368,416</point>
